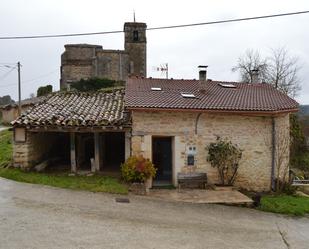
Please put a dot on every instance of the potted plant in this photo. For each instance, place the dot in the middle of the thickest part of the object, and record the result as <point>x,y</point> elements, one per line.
<point>138,171</point>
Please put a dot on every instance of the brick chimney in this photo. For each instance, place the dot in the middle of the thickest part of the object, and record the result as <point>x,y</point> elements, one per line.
<point>255,76</point>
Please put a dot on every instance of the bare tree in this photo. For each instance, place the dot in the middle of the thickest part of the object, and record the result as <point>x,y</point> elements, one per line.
<point>248,62</point>
<point>278,69</point>
<point>282,72</point>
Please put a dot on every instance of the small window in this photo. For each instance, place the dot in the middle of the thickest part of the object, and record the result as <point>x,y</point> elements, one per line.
<point>135,35</point>
<point>188,95</point>
<point>227,85</point>
<point>156,89</point>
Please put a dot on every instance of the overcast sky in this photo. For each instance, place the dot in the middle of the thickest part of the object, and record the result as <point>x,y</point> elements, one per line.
<point>218,46</point>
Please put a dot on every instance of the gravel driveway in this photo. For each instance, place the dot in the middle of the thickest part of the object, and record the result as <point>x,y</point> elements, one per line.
<point>34,216</point>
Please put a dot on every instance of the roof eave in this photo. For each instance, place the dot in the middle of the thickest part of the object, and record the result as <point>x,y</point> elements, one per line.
<point>242,112</point>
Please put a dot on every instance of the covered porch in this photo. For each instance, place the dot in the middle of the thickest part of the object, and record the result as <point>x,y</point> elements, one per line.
<point>84,132</point>
<point>98,151</point>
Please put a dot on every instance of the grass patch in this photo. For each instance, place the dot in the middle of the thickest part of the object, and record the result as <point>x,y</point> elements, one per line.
<point>95,183</point>
<point>6,149</point>
<point>285,204</point>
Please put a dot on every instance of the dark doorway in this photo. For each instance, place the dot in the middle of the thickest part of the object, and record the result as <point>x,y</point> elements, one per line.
<point>162,159</point>
<point>114,146</point>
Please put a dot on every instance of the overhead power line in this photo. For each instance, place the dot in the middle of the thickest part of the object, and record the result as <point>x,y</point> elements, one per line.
<point>7,73</point>
<point>156,28</point>
<point>31,80</point>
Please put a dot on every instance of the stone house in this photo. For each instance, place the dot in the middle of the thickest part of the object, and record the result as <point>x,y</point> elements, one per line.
<point>168,121</point>
<point>84,61</point>
<point>174,120</point>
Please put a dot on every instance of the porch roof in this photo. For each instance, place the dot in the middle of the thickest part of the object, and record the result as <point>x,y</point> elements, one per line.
<point>76,109</point>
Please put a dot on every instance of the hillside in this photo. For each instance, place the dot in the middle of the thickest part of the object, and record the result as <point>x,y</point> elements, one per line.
<point>304,110</point>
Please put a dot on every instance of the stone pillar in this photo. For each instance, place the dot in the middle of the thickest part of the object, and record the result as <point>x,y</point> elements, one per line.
<point>73,152</point>
<point>127,144</point>
<point>146,146</point>
<point>178,148</point>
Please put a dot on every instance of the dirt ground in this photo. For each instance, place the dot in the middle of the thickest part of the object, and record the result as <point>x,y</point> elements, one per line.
<point>34,216</point>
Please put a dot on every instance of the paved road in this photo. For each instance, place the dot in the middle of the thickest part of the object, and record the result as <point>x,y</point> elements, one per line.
<point>2,128</point>
<point>33,216</point>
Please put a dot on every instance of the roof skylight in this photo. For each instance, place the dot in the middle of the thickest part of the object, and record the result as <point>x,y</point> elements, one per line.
<point>156,89</point>
<point>188,95</point>
<point>227,85</point>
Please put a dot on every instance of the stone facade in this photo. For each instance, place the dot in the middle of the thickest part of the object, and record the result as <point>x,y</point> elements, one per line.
<point>84,61</point>
<point>253,134</point>
<point>33,150</point>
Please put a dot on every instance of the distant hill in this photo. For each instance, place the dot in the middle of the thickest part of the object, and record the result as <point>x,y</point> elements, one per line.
<point>303,110</point>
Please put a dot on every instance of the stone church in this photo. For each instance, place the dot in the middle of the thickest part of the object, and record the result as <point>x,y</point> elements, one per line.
<point>84,61</point>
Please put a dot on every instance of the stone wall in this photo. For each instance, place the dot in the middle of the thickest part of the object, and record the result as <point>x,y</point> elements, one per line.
<point>112,64</point>
<point>10,114</point>
<point>36,148</point>
<point>252,134</point>
<point>92,62</point>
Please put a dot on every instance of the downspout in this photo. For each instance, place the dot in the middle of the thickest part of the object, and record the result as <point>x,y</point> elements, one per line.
<point>196,121</point>
<point>273,163</point>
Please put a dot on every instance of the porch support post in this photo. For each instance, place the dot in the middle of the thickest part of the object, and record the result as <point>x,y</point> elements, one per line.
<point>73,152</point>
<point>97,152</point>
<point>127,145</point>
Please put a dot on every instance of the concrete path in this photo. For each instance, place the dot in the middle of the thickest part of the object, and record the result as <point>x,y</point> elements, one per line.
<point>2,128</point>
<point>34,216</point>
<point>223,196</point>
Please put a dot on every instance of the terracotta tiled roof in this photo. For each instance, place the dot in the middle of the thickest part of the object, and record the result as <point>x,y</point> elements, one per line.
<point>75,109</point>
<point>244,97</point>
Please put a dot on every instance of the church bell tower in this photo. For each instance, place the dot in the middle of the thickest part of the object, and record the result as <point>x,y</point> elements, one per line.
<point>136,46</point>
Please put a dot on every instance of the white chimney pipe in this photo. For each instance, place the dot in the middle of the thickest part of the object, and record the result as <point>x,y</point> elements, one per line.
<point>202,73</point>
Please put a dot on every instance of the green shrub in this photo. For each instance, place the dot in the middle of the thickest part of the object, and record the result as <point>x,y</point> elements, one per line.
<point>299,154</point>
<point>92,84</point>
<point>224,156</point>
<point>44,90</point>
<point>137,169</point>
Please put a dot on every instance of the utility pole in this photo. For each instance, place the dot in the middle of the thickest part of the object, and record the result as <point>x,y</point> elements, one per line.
<point>19,89</point>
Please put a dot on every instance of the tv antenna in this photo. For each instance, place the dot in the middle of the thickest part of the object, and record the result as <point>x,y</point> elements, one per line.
<point>163,68</point>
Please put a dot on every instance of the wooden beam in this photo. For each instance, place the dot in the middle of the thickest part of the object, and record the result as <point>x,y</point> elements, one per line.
<point>73,152</point>
<point>96,152</point>
<point>80,130</point>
